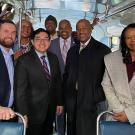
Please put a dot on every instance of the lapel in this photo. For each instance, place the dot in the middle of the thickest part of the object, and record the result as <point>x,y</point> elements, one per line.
<point>72,42</point>
<point>59,51</point>
<point>124,79</point>
<point>90,46</point>
<point>132,83</point>
<point>5,86</point>
<point>119,70</point>
<point>50,62</point>
<point>37,64</point>
<point>3,63</point>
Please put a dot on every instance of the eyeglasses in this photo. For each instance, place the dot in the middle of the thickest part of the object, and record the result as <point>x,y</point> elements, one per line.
<point>42,40</point>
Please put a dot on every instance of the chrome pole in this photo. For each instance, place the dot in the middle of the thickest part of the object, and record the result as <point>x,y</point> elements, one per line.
<point>20,27</point>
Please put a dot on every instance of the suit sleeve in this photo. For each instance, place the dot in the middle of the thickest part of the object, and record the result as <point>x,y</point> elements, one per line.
<point>130,112</point>
<point>20,87</point>
<point>58,81</point>
<point>113,100</point>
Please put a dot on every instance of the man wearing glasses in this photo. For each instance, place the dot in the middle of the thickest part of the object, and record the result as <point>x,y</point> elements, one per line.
<point>38,85</point>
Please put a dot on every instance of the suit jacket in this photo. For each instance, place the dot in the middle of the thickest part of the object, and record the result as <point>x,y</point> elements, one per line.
<point>84,70</point>
<point>116,86</point>
<point>5,86</point>
<point>55,48</point>
<point>33,92</point>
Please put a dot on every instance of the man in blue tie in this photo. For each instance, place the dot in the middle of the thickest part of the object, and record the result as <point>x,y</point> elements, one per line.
<point>7,38</point>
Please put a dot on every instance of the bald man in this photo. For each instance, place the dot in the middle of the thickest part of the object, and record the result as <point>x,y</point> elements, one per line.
<point>82,81</point>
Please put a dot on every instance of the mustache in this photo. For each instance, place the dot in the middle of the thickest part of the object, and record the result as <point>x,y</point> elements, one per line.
<point>8,38</point>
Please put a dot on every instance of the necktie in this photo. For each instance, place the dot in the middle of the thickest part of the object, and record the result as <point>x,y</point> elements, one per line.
<point>82,47</point>
<point>64,51</point>
<point>47,74</point>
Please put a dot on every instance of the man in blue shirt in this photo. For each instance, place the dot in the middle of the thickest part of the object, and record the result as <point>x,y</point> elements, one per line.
<point>7,38</point>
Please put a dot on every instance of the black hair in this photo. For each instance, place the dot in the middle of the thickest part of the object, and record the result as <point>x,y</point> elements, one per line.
<point>124,48</point>
<point>52,18</point>
<point>37,31</point>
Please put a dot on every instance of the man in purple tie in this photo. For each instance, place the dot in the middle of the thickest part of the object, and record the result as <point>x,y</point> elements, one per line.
<point>38,85</point>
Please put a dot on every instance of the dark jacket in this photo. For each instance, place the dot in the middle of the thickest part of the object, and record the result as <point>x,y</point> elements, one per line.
<point>84,72</point>
<point>33,92</point>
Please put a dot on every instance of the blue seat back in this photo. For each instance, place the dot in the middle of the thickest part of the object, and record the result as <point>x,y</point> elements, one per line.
<point>116,128</point>
<point>11,128</point>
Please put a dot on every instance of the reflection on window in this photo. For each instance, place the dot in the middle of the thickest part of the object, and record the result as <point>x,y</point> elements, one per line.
<point>115,42</point>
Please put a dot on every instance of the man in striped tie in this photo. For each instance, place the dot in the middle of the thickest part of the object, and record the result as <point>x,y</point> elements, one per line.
<point>38,85</point>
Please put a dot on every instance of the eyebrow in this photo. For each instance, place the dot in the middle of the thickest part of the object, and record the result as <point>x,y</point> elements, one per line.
<point>39,37</point>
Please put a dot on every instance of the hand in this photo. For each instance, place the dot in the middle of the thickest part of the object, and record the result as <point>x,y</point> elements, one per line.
<point>120,116</point>
<point>6,113</point>
<point>17,54</point>
<point>59,109</point>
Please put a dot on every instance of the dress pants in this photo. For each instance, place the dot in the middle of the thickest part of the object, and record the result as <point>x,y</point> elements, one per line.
<point>45,128</point>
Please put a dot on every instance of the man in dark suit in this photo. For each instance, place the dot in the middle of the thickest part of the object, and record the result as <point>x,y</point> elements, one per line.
<point>82,81</point>
<point>7,38</point>
<point>38,93</point>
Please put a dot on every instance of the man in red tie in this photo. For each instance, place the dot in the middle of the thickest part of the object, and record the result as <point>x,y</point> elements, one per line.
<point>38,85</point>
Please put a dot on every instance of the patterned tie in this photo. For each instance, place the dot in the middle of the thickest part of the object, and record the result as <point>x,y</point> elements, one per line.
<point>64,51</point>
<point>47,74</point>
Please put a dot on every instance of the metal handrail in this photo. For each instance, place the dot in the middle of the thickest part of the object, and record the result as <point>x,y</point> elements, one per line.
<point>23,120</point>
<point>98,119</point>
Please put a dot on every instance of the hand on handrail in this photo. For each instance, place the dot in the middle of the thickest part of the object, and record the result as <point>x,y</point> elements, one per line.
<point>6,113</point>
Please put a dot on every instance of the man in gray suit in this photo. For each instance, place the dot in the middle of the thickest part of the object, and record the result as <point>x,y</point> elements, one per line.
<point>60,47</point>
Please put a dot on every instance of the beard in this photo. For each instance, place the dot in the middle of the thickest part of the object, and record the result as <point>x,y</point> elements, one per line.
<point>7,42</point>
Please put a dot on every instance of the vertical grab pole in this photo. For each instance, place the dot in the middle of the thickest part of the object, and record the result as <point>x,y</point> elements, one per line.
<point>20,27</point>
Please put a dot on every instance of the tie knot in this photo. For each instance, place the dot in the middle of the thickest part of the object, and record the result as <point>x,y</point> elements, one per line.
<point>42,57</point>
<point>65,41</point>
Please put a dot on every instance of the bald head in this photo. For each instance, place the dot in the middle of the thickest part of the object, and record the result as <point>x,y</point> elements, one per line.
<point>84,29</point>
<point>84,21</point>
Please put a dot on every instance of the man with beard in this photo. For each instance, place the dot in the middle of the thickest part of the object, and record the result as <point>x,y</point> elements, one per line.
<point>7,38</point>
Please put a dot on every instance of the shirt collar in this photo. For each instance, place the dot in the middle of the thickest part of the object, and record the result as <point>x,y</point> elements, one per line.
<point>40,54</point>
<point>86,43</point>
<point>10,52</point>
<point>68,39</point>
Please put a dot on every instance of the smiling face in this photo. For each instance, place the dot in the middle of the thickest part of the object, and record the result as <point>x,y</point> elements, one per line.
<point>84,30</point>
<point>50,26</point>
<point>130,39</point>
<point>65,29</point>
<point>41,42</point>
<point>26,29</point>
<point>7,34</point>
